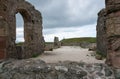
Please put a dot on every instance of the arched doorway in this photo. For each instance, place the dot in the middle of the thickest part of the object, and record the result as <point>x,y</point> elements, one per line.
<point>19,35</point>
<point>26,33</point>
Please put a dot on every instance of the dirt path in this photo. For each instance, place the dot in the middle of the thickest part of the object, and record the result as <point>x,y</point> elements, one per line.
<point>70,53</point>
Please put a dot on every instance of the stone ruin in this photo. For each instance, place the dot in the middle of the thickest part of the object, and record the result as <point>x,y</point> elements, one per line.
<point>108,32</point>
<point>34,41</point>
<point>108,40</point>
<point>113,32</point>
<point>57,43</point>
<point>101,33</point>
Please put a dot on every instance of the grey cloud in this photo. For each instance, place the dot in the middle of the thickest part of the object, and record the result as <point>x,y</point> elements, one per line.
<point>42,3</point>
<point>49,31</point>
<point>20,35</point>
<point>19,21</point>
<point>57,13</point>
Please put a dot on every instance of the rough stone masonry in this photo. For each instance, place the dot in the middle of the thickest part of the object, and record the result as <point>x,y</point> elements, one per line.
<point>101,33</point>
<point>33,44</point>
<point>113,32</point>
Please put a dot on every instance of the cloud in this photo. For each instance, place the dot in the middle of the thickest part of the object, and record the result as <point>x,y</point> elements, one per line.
<point>84,31</point>
<point>20,35</point>
<point>68,13</point>
<point>19,20</point>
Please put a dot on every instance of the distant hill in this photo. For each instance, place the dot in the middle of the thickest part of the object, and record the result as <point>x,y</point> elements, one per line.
<point>79,40</point>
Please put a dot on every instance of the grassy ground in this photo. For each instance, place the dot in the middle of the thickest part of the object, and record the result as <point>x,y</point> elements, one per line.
<point>19,43</point>
<point>48,42</point>
<point>78,40</point>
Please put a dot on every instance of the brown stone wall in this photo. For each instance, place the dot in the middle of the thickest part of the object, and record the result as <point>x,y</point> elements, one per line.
<point>101,33</point>
<point>113,32</point>
<point>32,27</point>
<point>3,47</point>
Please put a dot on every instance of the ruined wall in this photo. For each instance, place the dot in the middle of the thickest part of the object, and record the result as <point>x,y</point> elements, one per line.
<point>101,33</point>
<point>113,32</point>
<point>57,43</point>
<point>32,27</point>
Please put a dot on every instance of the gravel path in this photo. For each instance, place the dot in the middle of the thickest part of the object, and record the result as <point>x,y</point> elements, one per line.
<point>69,53</point>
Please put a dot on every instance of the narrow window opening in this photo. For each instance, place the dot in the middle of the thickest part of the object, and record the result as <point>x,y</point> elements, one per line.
<point>19,28</point>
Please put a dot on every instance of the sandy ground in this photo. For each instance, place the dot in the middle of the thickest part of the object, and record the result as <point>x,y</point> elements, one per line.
<point>69,53</point>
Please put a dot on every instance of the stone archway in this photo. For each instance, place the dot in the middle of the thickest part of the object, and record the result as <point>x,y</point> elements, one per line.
<point>33,28</point>
<point>28,33</point>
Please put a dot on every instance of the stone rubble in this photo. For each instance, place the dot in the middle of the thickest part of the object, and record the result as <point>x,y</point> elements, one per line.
<point>38,69</point>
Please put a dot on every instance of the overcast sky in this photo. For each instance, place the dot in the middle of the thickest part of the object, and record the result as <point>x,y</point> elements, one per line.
<point>65,18</point>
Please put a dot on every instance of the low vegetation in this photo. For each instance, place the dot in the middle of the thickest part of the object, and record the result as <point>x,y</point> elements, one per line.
<point>101,54</point>
<point>79,40</point>
<point>48,42</point>
<point>19,43</point>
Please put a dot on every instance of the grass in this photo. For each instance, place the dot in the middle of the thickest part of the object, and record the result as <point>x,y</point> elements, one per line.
<point>71,40</point>
<point>48,42</point>
<point>19,43</point>
<point>79,40</point>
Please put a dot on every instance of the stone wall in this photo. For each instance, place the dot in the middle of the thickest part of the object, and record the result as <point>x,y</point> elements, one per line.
<point>113,32</point>
<point>32,27</point>
<point>101,33</point>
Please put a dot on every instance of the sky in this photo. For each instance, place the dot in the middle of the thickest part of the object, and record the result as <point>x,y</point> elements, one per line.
<point>65,18</point>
